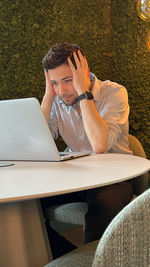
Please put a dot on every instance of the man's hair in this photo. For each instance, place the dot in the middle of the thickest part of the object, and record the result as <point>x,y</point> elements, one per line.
<point>58,55</point>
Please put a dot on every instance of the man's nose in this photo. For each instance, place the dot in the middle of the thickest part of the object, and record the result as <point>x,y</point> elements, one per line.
<point>61,89</point>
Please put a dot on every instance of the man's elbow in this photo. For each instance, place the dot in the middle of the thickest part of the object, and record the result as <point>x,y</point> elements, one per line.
<point>98,149</point>
<point>100,144</point>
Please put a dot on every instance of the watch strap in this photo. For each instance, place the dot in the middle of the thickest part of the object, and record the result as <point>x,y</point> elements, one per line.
<point>86,95</point>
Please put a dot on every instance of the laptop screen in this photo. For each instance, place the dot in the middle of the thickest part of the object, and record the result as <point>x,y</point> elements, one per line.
<point>24,132</point>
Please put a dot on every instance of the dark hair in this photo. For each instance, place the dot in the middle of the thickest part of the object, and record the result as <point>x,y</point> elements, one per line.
<point>58,55</point>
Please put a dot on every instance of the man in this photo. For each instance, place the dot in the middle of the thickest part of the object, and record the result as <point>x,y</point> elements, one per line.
<point>90,115</point>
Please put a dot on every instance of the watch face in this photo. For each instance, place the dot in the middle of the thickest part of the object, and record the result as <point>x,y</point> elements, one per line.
<point>86,95</point>
<point>89,95</point>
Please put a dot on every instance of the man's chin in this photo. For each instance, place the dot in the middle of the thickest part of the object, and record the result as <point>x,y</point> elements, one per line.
<point>70,103</point>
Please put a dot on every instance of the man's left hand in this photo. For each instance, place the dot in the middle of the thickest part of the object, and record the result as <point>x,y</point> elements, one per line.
<point>81,79</point>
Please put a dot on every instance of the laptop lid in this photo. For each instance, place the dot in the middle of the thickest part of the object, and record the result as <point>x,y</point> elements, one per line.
<point>24,133</point>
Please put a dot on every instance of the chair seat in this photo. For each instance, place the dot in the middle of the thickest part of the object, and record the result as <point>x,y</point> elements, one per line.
<point>79,257</point>
<point>71,213</point>
<point>68,213</point>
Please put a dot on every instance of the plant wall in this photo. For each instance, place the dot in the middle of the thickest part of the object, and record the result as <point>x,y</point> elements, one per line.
<point>130,65</point>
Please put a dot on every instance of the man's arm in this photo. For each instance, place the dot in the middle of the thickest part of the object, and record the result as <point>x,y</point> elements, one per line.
<point>96,128</point>
<point>48,98</point>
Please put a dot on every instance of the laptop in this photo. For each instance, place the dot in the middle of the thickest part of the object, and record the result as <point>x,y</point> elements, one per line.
<point>25,135</point>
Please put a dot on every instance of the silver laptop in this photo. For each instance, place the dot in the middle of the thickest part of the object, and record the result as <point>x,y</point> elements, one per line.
<point>25,135</point>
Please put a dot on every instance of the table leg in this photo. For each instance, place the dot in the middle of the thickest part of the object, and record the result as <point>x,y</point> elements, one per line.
<point>23,238</point>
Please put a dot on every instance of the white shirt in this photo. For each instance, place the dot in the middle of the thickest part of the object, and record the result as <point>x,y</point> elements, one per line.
<point>111,100</point>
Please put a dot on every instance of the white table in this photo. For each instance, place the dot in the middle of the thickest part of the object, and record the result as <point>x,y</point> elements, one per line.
<point>23,241</point>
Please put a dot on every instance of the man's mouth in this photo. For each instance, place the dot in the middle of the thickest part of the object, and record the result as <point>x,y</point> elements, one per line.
<point>66,97</point>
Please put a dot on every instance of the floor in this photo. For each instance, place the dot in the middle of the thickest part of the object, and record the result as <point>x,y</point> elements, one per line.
<point>75,236</point>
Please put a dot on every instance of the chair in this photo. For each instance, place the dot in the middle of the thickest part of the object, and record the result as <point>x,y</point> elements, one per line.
<point>140,183</point>
<point>125,242</point>
<point>64,217</point>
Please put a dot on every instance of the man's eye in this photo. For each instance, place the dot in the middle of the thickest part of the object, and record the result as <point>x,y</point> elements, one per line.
<point>54,84</point>
<point>68,81</point>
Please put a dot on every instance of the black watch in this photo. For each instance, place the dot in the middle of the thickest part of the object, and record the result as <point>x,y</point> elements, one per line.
<point>86,95</point>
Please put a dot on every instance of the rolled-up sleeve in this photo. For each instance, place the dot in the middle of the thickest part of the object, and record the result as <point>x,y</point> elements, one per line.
<point>115,112</point>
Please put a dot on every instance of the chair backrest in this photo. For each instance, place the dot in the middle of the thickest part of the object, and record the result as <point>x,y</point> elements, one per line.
<point>126,241</point>
<point>136,147</point>
<point>140,183</point>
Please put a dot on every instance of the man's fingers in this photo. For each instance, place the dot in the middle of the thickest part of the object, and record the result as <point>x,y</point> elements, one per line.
<point>83,60</point>
<point>47,76</point>
<point>80,61</point>
<point>73,65</point>
<point>48,81</point>
<point>70,64</point>
<point>77,59</point>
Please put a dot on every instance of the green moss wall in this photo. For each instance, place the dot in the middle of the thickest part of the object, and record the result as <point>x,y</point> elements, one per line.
<point>110,33</point>
<point>29,28</point>
<point>130,65</point>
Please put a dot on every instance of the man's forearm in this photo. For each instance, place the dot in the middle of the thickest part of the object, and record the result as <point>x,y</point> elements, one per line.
<point>96,128</point>
<point>46,106</point>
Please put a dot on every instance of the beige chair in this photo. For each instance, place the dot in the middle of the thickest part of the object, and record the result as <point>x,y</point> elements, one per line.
<point>140,184</point>
<point>63,217</point>
<point>125,242</point>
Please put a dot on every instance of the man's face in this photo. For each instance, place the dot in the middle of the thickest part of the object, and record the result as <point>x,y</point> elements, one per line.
<point>62,80</point>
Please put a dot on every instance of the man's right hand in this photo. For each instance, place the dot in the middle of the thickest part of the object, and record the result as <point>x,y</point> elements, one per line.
<point>48,98</point>
<point>49,90</point>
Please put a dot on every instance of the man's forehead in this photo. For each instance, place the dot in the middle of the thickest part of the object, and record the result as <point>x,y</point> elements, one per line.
<point>59,73</point>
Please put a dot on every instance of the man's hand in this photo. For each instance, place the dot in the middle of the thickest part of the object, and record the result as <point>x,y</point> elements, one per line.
<point>49,90</point>
<point>48,98</point>
<point>81,79</point>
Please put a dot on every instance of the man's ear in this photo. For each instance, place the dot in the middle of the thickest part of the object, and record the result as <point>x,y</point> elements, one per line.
<point>88,72</point>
